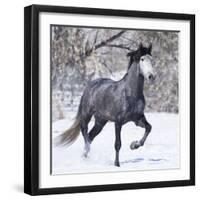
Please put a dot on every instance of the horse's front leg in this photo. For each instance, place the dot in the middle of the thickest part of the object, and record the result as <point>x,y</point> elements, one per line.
<point>117,142</point>
<point>142,122</point>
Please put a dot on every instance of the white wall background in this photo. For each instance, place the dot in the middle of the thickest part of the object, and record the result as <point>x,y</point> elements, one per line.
<point>11,101</point>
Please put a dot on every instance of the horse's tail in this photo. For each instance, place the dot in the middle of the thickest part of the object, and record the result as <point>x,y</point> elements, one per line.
<point>70,135</point>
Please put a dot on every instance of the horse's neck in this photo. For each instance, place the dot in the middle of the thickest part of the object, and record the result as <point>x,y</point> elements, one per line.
<point>134,82</point>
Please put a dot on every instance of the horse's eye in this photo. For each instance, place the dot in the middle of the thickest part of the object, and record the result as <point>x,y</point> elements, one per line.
<point>142,59</point>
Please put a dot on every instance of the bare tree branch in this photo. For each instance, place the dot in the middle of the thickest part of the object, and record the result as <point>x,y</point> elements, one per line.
<point>128,39</point>
<point>95,39</point>
<point>121,46</point>
<point>104,42</point>
<point>106,66</point>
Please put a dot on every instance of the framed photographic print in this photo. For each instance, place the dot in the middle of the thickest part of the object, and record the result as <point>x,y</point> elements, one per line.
<point>109,99</point>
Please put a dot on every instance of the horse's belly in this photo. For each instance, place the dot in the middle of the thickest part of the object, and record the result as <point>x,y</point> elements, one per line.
<point>108,112</point>
<point>108,106</point>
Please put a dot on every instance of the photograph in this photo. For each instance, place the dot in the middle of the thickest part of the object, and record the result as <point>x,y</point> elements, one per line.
<point>114,99</point>
<point>109,99</point>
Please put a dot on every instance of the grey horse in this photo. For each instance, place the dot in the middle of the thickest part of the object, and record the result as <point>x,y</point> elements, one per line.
<point>116,101</point>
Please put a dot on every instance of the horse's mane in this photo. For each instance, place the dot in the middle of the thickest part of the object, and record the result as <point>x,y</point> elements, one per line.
<point>137,54</point>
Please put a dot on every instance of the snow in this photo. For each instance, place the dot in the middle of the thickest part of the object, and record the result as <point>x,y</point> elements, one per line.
<point>160,151</point>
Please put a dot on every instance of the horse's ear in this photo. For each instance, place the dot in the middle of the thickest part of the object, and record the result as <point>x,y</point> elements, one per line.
<point>128,54</point>
<point>131,53</point>
<point>140,45</point>
<point>150,48</point>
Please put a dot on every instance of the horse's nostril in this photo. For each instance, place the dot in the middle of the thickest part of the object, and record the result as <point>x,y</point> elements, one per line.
<point>150,76</point>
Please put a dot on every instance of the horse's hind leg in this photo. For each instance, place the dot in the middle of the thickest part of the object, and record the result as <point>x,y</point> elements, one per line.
<point>142,122</point>
<point>88,138</point>
<point>84,130</point>
<point>98,126</point>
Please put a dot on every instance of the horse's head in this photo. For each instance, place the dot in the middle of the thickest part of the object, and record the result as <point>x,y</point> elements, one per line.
<point>143,56</point>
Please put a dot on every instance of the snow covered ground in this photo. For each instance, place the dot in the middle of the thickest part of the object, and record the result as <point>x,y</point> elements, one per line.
<point>161,150</point>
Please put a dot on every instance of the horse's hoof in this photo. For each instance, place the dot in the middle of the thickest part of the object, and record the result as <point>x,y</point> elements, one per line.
<point>135,145</point>
<point>85,155</point>
<point>86,150</point>
<point>117,164</point>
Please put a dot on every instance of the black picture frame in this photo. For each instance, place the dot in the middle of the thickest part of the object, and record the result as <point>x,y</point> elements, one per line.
<point>31,98</point>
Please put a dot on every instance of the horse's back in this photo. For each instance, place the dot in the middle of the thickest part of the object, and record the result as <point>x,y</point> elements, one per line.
<point>98,86</point>
<point>99,82</point>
